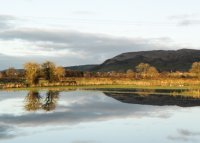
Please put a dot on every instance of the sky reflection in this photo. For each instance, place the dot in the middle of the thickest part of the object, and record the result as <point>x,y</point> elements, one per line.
<point>26,114</point>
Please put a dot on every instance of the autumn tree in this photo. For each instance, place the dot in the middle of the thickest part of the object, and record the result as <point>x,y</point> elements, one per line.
<point>32,71</point>
<point>113,74</point>
<point>195,69</point>
<point>130,73</point>
<point>11,73</point>
<point>48,71</point>
<point>87,74</point>
<point>2,74</point>
<point>60,73</point>
<point>142,69</point>
<point>145,70</point>
<point>152,72</point>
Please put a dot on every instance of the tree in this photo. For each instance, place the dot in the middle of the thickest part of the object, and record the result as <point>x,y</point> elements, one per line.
<point>87,74</point>
<point>32,71</point>
<point>2,74</point>
<point>195,69</point>
<point>130,73</point>
<point>152,72</point>
<point>11,73</point>
<point>142,69</point>
<point>145,70</point>
<point>60,73</point>
<point>48,71</point>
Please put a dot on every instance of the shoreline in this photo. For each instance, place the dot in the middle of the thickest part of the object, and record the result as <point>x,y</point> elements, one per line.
<point>187,91</point>
<point>106,86</point>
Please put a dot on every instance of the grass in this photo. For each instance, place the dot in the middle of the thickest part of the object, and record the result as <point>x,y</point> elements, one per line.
<point>107,87</point>
<point>186,87</point>
<point>187,91</point>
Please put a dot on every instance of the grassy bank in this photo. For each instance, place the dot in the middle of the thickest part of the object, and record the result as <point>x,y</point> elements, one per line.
<point>101,87</point>
<point>115,83</point>
<point>188,87</point>
<point>187,91</point>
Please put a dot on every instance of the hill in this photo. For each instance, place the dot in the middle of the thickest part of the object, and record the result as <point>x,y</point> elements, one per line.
<point>81,67</point>
<point>163,60</point>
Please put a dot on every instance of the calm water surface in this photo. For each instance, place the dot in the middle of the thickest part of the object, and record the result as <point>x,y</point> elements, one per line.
<point>92,117</point>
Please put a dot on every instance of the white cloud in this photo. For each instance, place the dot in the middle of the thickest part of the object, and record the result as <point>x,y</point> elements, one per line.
<point>186,19</point>
<point>6,21</point>
<point>71,47</point>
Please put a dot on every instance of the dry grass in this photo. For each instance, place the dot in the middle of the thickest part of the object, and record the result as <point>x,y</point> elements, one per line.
<point>142,82</point>
<point>122,82</point>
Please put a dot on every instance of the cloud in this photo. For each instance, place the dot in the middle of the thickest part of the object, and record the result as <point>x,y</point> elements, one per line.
<point>83,12</point>
<point>71,47</point>
<point>189,22</point>
<point>186,19</point>
<point>183,16</point>
<point>184,135</point>
<point>185,132</point>
<point>6,21</point>
<point>80,141</point>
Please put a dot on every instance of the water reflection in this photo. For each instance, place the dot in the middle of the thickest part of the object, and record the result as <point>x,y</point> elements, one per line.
<point>153,98</point>
<point>34,101</point>
<point>90,116</point>
<point>50,100</point>
<point>72,108</point>
<point>184,135</point>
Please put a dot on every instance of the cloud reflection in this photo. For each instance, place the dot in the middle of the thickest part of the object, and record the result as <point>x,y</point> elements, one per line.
<point>184,135</point>
<point>73,108</point>
<point>6,132</point>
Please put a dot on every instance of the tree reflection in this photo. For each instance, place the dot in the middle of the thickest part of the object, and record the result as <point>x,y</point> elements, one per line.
<point>34,102</point>
<point>50,100</point>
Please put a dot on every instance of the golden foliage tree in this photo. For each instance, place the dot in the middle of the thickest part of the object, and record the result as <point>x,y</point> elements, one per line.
<point>60,73</point>
<point>152,72</point>
<point>145,70</point>
<point>48,71</point>
<point>130,73</point>
<point>195,69</point>
<point>11,73</point>
<point>32,71</point>
<point>142,69</point>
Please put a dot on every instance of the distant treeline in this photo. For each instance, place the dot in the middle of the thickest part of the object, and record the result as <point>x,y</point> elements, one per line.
<point>34,73</point>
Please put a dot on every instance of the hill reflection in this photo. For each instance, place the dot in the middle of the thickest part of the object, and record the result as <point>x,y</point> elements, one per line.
<point>154,99</point>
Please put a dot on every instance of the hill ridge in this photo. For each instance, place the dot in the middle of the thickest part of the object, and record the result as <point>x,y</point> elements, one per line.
<point>163,60</point>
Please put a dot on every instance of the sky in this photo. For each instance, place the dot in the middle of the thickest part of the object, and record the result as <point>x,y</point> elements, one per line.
<point>88,32</point>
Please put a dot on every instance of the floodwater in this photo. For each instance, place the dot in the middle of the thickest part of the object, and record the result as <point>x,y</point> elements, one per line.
<point>96,117</point>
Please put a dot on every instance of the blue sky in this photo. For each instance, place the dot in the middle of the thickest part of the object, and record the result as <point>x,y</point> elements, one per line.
<point>88,32</point>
